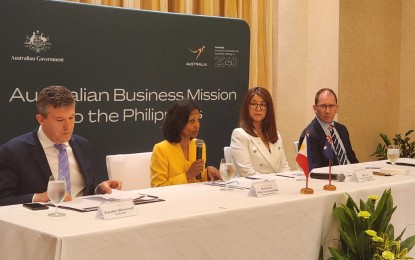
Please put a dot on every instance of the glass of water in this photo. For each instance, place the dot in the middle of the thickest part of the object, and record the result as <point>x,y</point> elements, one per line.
<point>393,153</point>
<point>300,170</point>
<point>227,172</point>
<point>56,193</point>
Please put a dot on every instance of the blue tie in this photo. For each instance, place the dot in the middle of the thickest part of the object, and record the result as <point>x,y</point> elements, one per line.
<point>341,156</point>
<point>63,169</point>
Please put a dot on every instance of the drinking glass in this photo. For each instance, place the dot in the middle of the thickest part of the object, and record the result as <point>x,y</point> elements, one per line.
<point>227,172</point>
<point>56,193</point>
<point>393,153</point>
<point>300,170</point>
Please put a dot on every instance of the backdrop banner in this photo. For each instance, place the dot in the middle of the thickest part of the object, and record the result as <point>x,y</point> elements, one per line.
<point>125,68</point>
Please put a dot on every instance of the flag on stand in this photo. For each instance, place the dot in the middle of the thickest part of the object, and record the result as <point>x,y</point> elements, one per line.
<point>302,156</point>
<point>328,149</point>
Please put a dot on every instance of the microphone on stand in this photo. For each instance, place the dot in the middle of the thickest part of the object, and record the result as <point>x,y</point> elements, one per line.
<point>340,177</point>
<point>199,150</point>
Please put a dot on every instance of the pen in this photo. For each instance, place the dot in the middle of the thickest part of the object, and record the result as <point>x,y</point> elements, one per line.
<point>90,209</point>
<point>284,176</point>
<point>151,196</point>
<point>254,178</point>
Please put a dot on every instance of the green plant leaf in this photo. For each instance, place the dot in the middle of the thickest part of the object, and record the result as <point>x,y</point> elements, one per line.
<point>337,254</point>
<point>384,208</point>
<point>407,147</point>
<point>355,243</point>
<point>363,245</point>
<point>349,243</point>
<point>390,231</point>
<point>409,132</point>
<point>385,138</point>
<point>408,243</point>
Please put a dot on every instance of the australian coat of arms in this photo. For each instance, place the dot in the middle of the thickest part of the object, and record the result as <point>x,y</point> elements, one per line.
<point>37,42</point>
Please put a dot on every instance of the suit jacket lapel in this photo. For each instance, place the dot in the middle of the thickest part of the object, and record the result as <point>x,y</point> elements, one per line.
<point>40,157</point>
<point>262,149</point>
<point>77,151</point>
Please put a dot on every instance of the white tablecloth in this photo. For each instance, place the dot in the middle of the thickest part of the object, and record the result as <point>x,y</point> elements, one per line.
<point>198,221</point>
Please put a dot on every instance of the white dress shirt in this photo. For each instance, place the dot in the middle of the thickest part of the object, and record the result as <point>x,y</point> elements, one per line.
<point>77,180</point>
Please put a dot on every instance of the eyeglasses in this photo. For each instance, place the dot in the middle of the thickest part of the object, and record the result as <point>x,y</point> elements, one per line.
<point>324,107</point>
<point>254,106</point>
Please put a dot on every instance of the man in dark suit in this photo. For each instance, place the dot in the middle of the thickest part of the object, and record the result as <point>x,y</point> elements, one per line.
<point>325,107</point>
<point>27,161</point>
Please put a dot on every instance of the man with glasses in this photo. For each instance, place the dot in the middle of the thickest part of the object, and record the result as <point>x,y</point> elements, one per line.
<point>323,127</point>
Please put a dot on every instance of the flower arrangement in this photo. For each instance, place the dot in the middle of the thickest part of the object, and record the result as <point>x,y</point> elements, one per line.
<point>366,232</point>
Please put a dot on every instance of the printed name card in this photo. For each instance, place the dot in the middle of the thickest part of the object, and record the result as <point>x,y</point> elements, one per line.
<point>362,175</point>
<point>263,189</point>
<point>117,209</point>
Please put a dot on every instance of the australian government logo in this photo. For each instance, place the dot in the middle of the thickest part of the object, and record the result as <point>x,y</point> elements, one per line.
<point>197,54</point>
<point>38,42</point>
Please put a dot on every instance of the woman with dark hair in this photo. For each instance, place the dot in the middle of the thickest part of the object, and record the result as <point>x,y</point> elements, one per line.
<point>174,159</point>
<point>256,146</point>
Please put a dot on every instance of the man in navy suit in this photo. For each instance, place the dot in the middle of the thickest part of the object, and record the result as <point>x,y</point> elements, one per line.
<point>27,161</point>
<point>325,107</point>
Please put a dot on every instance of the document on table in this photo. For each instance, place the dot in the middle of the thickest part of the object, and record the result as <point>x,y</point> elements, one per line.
<point>347,170</point>
<point>405,162</point>
<point>91,203</point>
<point>231,184</point>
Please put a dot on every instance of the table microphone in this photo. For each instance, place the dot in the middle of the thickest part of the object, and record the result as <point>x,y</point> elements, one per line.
<point>199,150</point>
<point>340,177</point>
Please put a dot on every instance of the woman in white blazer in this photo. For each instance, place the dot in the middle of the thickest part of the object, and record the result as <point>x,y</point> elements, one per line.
<point>256,146</point>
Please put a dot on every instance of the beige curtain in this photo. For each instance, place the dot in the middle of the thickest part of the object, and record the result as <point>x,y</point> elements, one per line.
<point>257,13</point>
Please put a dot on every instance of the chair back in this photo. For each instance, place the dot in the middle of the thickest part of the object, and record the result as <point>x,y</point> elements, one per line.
<point>227,153</point>
<point>132,169</point>
<point>228,157</point>
<point>296,148</point>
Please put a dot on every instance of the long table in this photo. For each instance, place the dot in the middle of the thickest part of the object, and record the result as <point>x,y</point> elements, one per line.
<point>198,221</point>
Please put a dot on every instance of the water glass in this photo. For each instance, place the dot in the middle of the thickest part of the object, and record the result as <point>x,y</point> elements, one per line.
<point>56,193</point>
<point>393,153</point>
<point>227,172</point>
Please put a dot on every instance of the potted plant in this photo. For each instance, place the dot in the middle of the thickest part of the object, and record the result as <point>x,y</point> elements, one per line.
<point>407,147</point>
<point>366,231</point>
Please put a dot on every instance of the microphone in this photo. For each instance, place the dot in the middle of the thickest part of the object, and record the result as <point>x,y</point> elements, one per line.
<point>199,150</point>
<point>340,177</point>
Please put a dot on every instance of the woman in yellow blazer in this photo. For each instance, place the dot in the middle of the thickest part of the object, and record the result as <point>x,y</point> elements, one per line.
<point>174,159</point>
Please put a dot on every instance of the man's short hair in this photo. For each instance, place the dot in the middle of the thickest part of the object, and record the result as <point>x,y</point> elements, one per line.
<point>57,96</point>
<point>323,90</point>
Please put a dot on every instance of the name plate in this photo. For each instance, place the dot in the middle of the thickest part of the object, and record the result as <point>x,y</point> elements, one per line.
<point>117,209</point>
<point>362,175</point>
<point>264,189</point>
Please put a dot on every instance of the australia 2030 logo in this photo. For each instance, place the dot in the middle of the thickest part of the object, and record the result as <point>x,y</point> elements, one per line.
<point>37,42</point>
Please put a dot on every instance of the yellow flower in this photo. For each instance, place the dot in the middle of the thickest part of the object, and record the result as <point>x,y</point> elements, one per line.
<point>377,239</point>
<point>388,255</point>
<point>371,233</point>
<point>373,197</point>
<point>363,214</point>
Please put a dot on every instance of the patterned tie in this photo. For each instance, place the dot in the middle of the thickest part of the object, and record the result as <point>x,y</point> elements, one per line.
<point>341,155</point>
<point>64,165</point>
